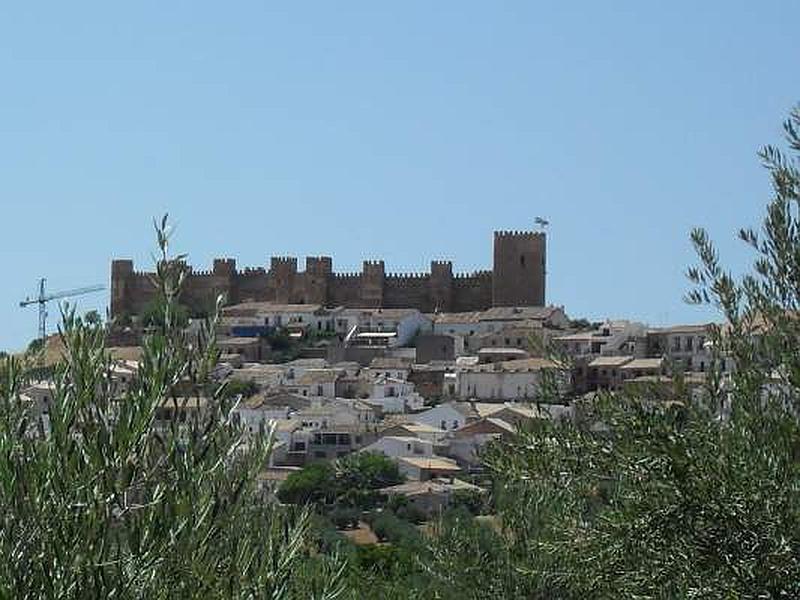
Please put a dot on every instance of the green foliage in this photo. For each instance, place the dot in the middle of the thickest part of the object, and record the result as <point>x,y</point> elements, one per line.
<point>582,324</point>
<point>472,501</point>
<point>351,482</point>
<point>237,387</point>
<point>315,483</point>
<point>153,315</point>
<point>694,496</point>
<point>92,318</point>
<point>411,513</point>
<point>344,517</point>
<point>110,505</point>
<point>367,471</point>
<point>35,346</point>
<point>389,527</point>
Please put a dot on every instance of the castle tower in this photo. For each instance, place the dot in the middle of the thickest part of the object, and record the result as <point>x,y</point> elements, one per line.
<point>282,273</point>
<point>519,268</point>
<point>121,292</point>
<point>373,275</point>
<point>441,285</point>
<point>318,271</point>
<point>224,281</point>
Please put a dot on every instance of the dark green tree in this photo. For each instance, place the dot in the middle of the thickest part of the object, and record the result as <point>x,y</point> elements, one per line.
<point>315,483</point>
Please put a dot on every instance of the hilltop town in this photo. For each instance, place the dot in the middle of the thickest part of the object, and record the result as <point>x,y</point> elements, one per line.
<point>425,370</point>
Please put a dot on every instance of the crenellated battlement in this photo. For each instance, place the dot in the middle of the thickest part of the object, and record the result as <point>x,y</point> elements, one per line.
<point>408,277</point>
<point>289,261</point>
<point>225,267</point>
<point>473,275</point>
<point>531,235</point>
<point>517,278</point>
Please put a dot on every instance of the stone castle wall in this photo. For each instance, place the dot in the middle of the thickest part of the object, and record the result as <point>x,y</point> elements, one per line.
<point>517,278</point>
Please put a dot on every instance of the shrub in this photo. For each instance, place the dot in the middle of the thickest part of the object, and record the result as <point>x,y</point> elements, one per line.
<point>344,517</point>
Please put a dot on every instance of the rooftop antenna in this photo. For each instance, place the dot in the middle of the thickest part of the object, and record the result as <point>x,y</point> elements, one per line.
<point>43,298</point>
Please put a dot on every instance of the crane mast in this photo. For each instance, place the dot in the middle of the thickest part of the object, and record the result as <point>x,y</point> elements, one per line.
<point>43,298</point>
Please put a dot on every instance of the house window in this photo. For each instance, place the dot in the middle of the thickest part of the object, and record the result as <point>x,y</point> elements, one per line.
<point>455,424</point>
<point>319,390</point>
<point>521,260</point>
<point>443,424</point>
<point>408,447</point>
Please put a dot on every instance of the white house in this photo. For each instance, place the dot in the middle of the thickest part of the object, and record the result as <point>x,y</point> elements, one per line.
<point>466,443</point>
<point>256,413</point>
<point>395,395</point>
<point>416,430</point>
<point>462,324</point>
<point>257,316</point>
<point>610,339</point>
<point>399,446</point>
<point>448,416</point>
<point>315,383</point>
<point>389,366</point>
<point>339,414</point>
<point>510,380</point>
<point>387,326</point>
<point>686,345</point>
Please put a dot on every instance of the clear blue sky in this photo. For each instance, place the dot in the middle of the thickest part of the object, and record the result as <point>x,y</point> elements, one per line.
<point>404,130</point>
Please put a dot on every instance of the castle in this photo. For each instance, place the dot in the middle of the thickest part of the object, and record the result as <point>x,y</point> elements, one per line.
<point>516,279</point>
